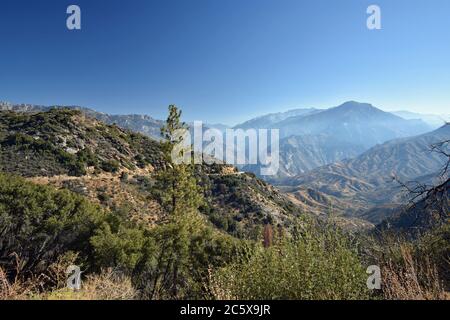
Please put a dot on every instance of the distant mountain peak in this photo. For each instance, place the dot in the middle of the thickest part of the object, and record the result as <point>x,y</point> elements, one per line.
<point>358,107</point>
<point>356,104</point>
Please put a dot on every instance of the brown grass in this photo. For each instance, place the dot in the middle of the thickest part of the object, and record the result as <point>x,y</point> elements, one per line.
<point>15,290</point>
<point>412,279</point>
<point>108,285</point>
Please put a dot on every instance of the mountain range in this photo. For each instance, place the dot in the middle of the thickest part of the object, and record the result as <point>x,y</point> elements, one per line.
<point>269,120</point>
<point>313,138</point>
<point>310,137</point>
<point>367,181</point>
<point>341,159</point>
<point>116,167</point>
<point>432,120</point>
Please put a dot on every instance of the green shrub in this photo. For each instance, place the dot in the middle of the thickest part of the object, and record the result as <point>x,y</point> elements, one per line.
<point>315,263</point>
<point>119,246</point>
<point>110,166</point>
<point>39,223</point>
<point>87,157</point>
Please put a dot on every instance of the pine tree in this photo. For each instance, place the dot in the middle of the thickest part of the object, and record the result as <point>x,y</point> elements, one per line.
<point>180,196</point>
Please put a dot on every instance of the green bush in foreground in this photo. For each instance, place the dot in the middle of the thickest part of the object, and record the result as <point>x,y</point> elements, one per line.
<point>315,263</point>
<point>39,223</point>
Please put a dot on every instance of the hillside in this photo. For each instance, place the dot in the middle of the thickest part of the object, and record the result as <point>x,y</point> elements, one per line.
<point>138,123</point>
<point>116,167</point>
<point>413,219</point>
<point>300,154</point>
<point>367,180</point>
<point>66,142</point>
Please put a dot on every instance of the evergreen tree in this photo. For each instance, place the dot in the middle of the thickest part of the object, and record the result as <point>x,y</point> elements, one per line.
<point>180,196</point>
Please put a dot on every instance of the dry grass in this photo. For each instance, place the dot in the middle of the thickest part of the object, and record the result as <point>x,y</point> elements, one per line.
<point>108,285</point>
<point>412,279</point>
<point>13,290</point>
<point>18,288</point>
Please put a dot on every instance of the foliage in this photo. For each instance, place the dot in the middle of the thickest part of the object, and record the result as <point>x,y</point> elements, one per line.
<point>63,141</point>
<point>39,223</point>
<point>183,256</point>
<point>317,262</point>
<point>177,187</point>
<point>110,166</point>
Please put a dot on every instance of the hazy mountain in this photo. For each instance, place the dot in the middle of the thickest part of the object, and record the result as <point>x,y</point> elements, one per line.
<point>138,123</point>
<point>366,181</point>
<point>320,137</point>
<point>303,153</point>
<point>353,122</point>
<point>434,121</point>
<point>300,154</point>
<point>270,120</point>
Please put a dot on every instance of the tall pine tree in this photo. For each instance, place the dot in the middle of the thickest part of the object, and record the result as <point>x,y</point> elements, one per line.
<point>180,193</point>
<point>180,196</point>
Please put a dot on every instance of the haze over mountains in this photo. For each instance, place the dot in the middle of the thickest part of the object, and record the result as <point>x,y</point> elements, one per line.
<point>366,182</point>
<point>310,137</point>
<point>340,159</point>
<point>315,138</point>
<point>269,120</point>
<point>353,122</point>
<point>433,120</point>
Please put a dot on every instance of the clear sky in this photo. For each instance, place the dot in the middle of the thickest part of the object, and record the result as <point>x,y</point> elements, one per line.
<point>226,60</point>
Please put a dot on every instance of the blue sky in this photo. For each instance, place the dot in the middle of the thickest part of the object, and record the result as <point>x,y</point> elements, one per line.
<point>226,60</point>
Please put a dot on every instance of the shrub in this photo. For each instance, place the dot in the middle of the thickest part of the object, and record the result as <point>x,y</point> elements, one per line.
<point>110,166</point>
<point>39,223</point>
<point>178,265</point>
<point>121,246</point>
<point>315,263</point>
<point>86,156</point>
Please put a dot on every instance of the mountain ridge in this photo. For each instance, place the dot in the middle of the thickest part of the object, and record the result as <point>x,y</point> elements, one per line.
<point>116,167</point>
<point>368,181</point>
